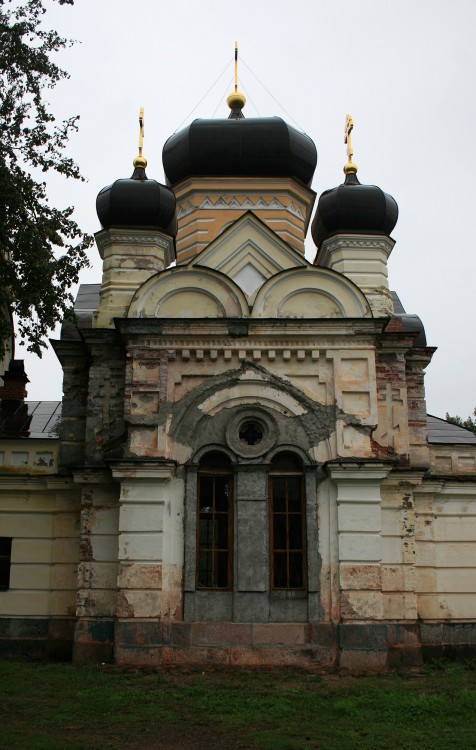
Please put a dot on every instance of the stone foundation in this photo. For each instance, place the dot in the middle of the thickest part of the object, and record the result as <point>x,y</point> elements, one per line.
<point>146,643</point>
<point>36,638</point>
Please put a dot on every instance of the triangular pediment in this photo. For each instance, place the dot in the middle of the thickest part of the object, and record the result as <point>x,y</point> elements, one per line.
<point>250,253</point>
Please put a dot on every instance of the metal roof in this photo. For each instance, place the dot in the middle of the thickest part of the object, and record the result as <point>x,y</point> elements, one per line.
<point>30,419</point>
<point>410,323</point>
<point>442,432</point>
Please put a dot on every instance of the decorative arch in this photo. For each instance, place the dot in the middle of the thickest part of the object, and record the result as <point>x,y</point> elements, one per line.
<point>184,292</point>
<point>310,293</point>
<point>304,457</point>
<point>211,448</point>
<point>266,395</point>
<point>250,394</point>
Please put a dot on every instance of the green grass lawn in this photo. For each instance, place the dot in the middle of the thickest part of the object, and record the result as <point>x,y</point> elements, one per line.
<point>55,706</point>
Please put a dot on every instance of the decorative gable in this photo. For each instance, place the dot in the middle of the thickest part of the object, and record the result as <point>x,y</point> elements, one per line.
<point>250,254</point>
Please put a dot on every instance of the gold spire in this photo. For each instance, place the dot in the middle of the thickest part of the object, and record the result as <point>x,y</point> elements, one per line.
<point>236,100</point>
<point>350,167</point>
<point>140,161</point>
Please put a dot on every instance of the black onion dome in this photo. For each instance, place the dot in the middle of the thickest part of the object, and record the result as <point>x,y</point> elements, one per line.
<point>239,147</point>
<point>137,202</point>
<point>354,208</point>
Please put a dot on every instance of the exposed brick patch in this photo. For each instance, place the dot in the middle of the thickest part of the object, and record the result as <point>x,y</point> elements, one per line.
<point>14,382</point>
<point>124,607</point>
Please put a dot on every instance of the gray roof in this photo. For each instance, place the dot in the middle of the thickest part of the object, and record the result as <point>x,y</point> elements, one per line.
<point>30,419</point>
<point>85,305</point>
<point>442,432</point>
<point>397,304</point>
<point>410,323</point>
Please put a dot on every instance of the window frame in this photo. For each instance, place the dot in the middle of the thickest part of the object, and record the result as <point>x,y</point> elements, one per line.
<point>284,474</point>
<point>215,473</point>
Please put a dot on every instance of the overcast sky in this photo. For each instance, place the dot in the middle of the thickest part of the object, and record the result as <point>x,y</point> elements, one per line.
<point>404,69</point>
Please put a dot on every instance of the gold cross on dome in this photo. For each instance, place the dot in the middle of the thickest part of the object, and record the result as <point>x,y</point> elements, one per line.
<point>140,161</point>
<point>349,126</point>
<point>141,129</point>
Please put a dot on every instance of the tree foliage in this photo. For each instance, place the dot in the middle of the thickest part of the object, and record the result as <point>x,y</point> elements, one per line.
<point>42,249</point>
<point>469,423</point>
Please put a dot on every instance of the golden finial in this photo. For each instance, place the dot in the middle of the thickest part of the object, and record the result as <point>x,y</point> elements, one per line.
<point>140,161</point>
<point>236,100</point>
<point>350,167</point>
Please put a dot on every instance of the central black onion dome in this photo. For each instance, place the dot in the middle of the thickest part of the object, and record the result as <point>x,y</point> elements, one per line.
<point>137,203</point>
<point>353,208</point>
<point>239,147</point>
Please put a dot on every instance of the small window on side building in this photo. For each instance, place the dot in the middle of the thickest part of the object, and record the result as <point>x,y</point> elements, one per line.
<point>5,562</point>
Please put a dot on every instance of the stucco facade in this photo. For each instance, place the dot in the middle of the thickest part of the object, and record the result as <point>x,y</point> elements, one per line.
<point>244,472</point>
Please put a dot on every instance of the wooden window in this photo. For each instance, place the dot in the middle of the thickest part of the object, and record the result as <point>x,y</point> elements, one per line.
<point>5,562</point>
<point>214,522</point>
<point>287,523</point>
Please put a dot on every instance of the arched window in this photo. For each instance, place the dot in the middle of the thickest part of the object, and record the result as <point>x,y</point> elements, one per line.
<point>214,522</point>
<point>287,523</point>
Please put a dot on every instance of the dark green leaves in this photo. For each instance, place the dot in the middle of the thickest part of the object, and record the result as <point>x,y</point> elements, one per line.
<point>42,249</point>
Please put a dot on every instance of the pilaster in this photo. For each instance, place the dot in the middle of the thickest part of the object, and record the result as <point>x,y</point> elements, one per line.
<point>416,361</point>
<point>97,570</point>
<point>359,529</point>
<point>362,634</point>
<point>150,556</point>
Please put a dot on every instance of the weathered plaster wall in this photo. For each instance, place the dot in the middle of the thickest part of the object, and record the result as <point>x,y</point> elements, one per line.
<point>445,551</point>
<point>41,515</point>
<point>453,460</point>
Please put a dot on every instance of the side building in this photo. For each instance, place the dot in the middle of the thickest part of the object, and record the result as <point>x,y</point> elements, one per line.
<point>245,472</point>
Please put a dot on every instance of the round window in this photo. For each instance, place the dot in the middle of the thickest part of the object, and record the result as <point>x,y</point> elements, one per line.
<point>251,432</point>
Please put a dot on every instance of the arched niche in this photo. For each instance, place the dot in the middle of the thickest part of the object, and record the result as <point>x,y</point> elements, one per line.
<point>310,293</point>
<point>189,293</point>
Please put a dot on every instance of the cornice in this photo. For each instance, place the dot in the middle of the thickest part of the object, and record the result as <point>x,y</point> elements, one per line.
<point>233,330</point>
<point>353,471</point>
<point>353,242</point>
<point>112,237</point>
<point>152,470</point>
